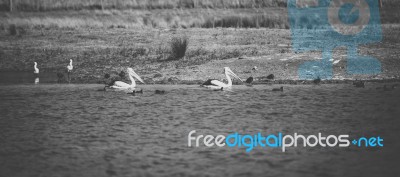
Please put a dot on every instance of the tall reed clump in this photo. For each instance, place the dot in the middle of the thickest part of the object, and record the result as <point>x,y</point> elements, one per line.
<point>179,46</point>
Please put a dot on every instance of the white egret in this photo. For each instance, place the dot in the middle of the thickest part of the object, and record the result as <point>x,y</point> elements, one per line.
<point>36,73</point>
<point>70,67</point>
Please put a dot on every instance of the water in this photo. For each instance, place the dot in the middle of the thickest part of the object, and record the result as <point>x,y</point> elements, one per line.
<point>13,77</point>
<point>75,130</point>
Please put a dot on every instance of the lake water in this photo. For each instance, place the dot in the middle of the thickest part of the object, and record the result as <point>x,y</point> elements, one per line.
<point>76,130</point>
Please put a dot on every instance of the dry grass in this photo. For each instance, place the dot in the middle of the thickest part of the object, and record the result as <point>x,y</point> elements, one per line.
<point>188,18</point>
<point>51,5</point>
<point>179,46</point>
<point>46,5</point>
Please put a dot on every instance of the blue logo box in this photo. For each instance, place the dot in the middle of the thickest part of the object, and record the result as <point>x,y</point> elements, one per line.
<point>324,25</point>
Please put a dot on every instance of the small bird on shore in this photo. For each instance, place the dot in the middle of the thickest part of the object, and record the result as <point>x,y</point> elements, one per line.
<point>277,89</point>
<point>254,68</point>
<point>69,68</point>
<point>36,73</point>
<point>271,77</point>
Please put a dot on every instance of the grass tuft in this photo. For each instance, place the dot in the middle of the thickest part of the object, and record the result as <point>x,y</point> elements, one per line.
<point>179,45</point>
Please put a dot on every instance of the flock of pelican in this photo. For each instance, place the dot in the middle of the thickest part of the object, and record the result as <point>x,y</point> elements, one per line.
<point>211,83</point>
<point>120,85</point>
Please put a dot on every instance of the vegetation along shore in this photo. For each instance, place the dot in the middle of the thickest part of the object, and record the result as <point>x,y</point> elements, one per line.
<point>173,41</point>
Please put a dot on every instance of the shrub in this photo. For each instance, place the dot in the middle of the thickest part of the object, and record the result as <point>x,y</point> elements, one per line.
<point>179,45</point>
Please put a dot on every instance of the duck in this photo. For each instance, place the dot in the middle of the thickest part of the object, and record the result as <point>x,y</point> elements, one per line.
<point>271,77</point>
<point>386,88</point>
<point>133,93</point>
<point>160,92</point>
<point>359,84</point>
<point>277,89</point>
<point>249,80</point>
<point>317,80</point>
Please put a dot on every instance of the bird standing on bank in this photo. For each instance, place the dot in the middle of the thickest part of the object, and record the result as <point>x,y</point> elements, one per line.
<point>69,68</point>
<point>36,73</point>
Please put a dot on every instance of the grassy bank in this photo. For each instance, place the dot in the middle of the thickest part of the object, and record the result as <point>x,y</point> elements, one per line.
<point>102,42</point>
<point>97,52</point>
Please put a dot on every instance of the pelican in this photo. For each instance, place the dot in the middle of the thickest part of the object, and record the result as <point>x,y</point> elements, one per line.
<point>216,84</point>
<point>70,67</point>
<point>123,85</point>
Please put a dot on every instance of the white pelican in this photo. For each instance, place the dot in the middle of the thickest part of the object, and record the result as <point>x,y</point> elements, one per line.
<point>123,85</point>
<point>70,67</point>
<point>216,84</point>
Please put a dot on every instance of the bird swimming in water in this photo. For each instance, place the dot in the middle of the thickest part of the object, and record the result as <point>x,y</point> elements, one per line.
<point>249,80</point>
<point>386,88</point>
<point>160,92</point>
<point>216,84</point>
<point>134,92</point>
<point>317,80</point>
<point>359,84</point>
<point>123,85</point>
<point>277,89</point>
